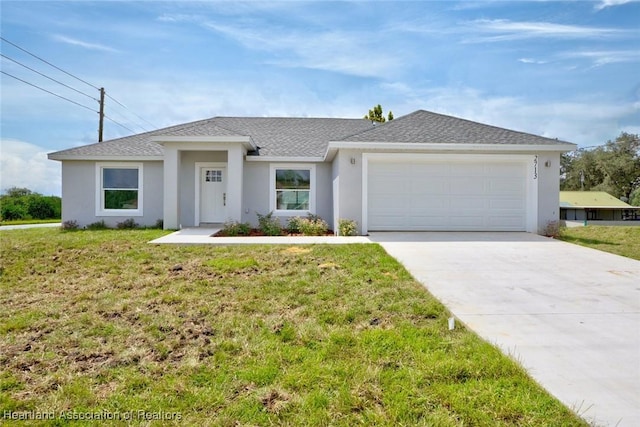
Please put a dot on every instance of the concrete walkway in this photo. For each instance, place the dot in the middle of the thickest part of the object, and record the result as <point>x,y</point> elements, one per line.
<point>23,226</point>
<point>570,315</point>
<point>188,236</point>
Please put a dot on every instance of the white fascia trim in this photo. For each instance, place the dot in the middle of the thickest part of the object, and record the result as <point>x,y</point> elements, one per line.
<point>108,158</point>
<point>284,159</point>
<point>560,147</point>
<point>245,140</point>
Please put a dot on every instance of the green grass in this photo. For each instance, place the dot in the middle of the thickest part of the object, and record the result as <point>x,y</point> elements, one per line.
<point>618,240</point>
<point>242,335</point>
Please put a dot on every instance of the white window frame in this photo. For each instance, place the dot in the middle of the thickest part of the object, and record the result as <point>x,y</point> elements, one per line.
<point>273,192</point>
<point>100,209</point>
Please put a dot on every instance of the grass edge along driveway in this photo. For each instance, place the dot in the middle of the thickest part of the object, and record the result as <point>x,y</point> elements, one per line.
<point>619,240</point>
<point>100,323</point>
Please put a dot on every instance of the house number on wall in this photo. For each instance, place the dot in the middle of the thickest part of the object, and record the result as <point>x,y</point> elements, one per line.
<point>535,167</point>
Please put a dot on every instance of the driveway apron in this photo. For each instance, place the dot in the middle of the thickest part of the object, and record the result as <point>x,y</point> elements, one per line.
<point>569,314</point>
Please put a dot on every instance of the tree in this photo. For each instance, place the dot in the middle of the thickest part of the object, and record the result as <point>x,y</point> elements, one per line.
<point>22,203</point>
<point>613,167</point>
<point>619,161</point>
<point>376,115</point>
<point>18,192</point>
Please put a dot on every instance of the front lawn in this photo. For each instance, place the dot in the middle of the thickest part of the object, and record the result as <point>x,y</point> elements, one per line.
<point>101,322</point>
<point>618,240</point>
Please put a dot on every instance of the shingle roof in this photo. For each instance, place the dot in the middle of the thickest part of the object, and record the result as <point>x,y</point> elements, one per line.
<point>290,136</point>
<point>427,127</point>
<point>309,137</point>
<point>590,199</point>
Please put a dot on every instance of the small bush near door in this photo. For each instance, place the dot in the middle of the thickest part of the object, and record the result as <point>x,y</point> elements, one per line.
<point>347,227</point>
<point>313,226</point>
<point>268,225</point>
<point>234,228</point>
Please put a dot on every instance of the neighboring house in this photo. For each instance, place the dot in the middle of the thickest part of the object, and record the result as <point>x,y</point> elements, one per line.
<point>595,206</point>
<point>423,171</point>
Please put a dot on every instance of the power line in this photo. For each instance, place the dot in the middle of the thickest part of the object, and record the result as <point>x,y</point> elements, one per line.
<point>127,108</point>
<point>49,63</point>
<point>119,124</point>
<point>50,78</point>
<point>75,77</point>
<point>122,117</point>
<point>45,90</point>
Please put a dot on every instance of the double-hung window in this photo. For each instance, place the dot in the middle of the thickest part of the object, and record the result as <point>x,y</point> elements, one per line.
<point>119,189</point>
<point>293,188</point>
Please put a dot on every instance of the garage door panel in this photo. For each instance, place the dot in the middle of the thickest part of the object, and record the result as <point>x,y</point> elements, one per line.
<point>455,195</point>
<point>467,169</point>
<point>505,204</point>
<point>429,186</point>
<point>426,204</point>
<point>513,223</point>
<point>515,186</point>
<point>466,186</point>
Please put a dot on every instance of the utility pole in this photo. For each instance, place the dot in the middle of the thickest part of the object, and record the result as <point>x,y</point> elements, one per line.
<point>101,122</point>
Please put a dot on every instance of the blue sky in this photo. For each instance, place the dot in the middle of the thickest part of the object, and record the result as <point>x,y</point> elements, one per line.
<point>566,70</point>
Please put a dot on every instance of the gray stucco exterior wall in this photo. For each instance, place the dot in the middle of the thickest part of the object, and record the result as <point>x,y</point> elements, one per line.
<point>257,190</point>
<point>548,190</point>
<point>79,188</point>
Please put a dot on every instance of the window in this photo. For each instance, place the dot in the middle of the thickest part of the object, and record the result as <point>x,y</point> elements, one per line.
<point>292,188</point>
<point>119,189</point>
<point>213,176</point>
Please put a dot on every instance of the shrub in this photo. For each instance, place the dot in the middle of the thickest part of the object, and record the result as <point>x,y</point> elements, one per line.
<point>159,224</point>
<point>268,225</point>
<point>293,226</point>
<point>313,226</point>
<point>11,210</point>
<point>552,229</point>
<point>70,225</point>
<point>39,207</point>
<point>98,225</point>
<point>235,228</point>
<point>347,227</point>
<point>127,224</point>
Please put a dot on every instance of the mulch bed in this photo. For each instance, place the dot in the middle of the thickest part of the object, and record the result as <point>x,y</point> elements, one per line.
<point>257,233</point>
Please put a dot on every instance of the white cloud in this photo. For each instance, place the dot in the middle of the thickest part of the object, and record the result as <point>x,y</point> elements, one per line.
<point>586,122</point>
<point>353,53</point>
<point>23,164</point>
<point>531,61</point>
<point>609,3</point>
<point>505,30</point>
<point>86,45</point>
<point>603,57</point>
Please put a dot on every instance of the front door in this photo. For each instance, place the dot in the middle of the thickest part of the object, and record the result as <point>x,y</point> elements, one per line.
<point>213,196</point>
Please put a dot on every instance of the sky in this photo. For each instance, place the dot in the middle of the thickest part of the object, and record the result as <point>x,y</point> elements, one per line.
<point>566,70</point>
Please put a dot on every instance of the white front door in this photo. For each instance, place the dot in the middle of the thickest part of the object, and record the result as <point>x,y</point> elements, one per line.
<point>213,196</point>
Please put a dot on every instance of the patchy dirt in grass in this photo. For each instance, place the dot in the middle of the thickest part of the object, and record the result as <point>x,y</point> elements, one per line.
<point>275,401</point>
<point>296,250</point>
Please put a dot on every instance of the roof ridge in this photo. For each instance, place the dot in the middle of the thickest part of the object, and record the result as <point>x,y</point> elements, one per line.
<point>487,125</point>
<point>378,126</point>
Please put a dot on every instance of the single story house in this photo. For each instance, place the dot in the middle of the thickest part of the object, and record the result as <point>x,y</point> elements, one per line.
<point>422,171</point>
<point>595,206</point>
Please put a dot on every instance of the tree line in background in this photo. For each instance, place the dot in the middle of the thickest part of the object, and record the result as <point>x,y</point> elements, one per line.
<point>613,167</point>
<point>23,204</point>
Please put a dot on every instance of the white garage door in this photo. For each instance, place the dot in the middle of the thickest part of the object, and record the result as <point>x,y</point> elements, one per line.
<point>446,195</point>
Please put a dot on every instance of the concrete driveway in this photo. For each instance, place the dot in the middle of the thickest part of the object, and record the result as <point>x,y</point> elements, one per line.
<point>569,314</point>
